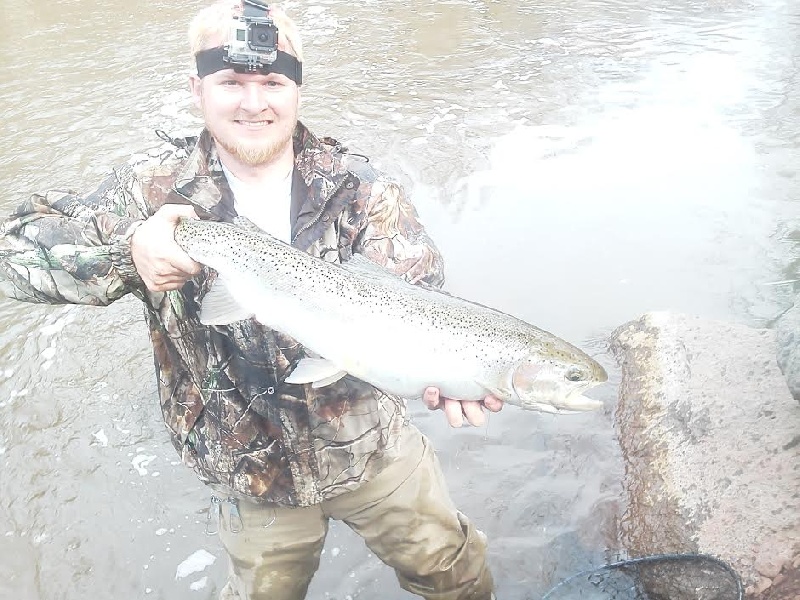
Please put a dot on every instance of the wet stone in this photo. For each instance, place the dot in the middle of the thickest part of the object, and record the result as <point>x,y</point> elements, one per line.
<point>706,424</point>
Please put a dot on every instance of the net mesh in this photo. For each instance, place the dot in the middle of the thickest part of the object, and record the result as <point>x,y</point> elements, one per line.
<point>662,577</point>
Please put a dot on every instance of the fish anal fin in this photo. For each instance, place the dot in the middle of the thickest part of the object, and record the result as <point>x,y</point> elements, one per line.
<point>329,380</point>
<point>316,371</point>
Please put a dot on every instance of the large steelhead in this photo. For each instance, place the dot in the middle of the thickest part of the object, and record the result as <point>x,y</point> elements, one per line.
<point>367,322</point>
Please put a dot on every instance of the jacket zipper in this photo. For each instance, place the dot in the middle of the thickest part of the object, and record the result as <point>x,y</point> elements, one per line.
<point>318,216</point>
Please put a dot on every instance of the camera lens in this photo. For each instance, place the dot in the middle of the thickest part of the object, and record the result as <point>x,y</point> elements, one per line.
<point>263,36</point>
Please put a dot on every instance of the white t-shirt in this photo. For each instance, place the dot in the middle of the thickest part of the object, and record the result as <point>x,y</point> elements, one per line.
<point>268,207</point>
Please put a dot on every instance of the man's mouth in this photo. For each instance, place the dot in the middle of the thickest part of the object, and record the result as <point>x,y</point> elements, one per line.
<point>253,124</point>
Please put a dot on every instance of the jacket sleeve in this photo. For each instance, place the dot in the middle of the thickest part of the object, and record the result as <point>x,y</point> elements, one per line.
<point>394,237</point>
<point>58,247</point>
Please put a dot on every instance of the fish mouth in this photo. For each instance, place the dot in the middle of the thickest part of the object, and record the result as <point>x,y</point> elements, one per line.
<point>580,403</point>
<point>576,402</point>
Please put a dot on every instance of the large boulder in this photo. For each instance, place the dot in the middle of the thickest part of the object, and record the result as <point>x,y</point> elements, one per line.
<point>787,330</point>
<point>711,439</point>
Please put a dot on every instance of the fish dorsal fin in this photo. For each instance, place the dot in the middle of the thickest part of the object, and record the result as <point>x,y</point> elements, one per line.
<point>360,265</point>
<point>316,371</point>
<point>219,307</point>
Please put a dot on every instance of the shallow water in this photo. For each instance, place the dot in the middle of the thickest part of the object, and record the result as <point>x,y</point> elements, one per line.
<point>578,163</point>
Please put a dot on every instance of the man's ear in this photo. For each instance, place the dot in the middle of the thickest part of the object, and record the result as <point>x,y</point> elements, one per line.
<point>196,88</point>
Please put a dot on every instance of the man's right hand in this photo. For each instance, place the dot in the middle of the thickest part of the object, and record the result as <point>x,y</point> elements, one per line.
<point>160,261</point>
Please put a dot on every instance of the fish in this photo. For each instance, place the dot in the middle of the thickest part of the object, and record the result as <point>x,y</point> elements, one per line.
<point>359,319</point>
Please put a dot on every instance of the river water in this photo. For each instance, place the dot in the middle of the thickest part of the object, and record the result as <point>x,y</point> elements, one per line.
<point>579,163</point>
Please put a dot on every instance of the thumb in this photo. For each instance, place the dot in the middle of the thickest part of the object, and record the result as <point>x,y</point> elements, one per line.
<point>431,398</point>
<point>175,212</point>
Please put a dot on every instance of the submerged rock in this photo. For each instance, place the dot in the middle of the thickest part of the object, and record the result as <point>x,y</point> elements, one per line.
<point>711,439</point>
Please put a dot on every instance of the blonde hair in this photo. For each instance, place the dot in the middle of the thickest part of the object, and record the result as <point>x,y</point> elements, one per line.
<point>211,26</point>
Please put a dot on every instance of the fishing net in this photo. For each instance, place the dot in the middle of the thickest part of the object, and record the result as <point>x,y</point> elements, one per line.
<point>661,577</point>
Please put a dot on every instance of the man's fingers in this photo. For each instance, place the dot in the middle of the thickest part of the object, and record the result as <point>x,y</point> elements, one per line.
<point>457,410</point>
<point>473,411</point>
<point>184,265</point>
<point>169,282</point>
<point>455,416</point>
<point>493,404</point>
<point>175,212</point>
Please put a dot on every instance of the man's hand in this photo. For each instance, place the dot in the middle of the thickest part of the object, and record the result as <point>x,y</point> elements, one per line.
<point>160,261</point>
<point>456,410</point>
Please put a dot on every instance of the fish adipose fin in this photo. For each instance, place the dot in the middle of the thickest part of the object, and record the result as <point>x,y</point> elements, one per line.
<point>219,306</point>
<point>316,371</point>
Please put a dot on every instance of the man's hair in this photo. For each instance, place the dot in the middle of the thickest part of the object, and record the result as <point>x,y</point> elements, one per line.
<point>211,26</point>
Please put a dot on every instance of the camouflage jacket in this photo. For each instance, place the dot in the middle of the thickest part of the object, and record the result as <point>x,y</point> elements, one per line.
<point>230,415</point>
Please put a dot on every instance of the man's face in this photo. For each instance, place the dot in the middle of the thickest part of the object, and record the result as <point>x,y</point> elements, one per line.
<point>251,116</point>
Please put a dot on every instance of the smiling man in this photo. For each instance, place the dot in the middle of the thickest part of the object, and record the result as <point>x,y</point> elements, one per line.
<point>282,459</point>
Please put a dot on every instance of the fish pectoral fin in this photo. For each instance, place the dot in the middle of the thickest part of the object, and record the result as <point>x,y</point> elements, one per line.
<point>219,307</point>
<point>497,392</point>
<point>316,371</point>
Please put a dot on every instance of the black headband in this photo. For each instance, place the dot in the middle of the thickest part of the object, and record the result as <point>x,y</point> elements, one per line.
<point>215,59</point>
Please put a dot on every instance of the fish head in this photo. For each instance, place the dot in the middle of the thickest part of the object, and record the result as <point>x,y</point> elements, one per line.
<point>553,379</point>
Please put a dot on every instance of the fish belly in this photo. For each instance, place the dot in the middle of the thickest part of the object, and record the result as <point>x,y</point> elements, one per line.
<point>398,356</point>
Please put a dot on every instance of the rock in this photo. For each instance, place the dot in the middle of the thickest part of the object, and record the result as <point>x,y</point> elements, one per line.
<point>770,561</point>
<point>761,586</point>
<point>711,439</point>
<point>787,330</point>
<point>788,588</point>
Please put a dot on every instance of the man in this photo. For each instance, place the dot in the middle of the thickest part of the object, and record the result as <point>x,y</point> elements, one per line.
<point>282,459</point>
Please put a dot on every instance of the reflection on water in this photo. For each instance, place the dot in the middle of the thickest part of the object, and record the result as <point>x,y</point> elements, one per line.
<point>579,163</point>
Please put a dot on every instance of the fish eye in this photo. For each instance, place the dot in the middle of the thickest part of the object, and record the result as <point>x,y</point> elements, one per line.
<point>575,374</point>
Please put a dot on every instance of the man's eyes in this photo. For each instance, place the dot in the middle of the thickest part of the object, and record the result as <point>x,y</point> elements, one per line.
<point>270,83</point>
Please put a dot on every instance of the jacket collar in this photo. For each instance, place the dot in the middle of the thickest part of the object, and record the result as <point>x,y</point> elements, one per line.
<point>319,174</point>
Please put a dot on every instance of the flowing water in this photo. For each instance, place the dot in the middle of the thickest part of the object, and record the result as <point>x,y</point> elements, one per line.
<point>579,163</point>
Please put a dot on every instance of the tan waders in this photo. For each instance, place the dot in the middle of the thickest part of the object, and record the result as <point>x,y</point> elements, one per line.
<point>405,516</point>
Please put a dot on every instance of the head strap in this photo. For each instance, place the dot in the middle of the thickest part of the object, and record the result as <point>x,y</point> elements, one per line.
<point>215,59</point>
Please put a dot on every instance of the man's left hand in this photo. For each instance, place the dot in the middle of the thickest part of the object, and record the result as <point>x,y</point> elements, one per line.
<point>457,410</point>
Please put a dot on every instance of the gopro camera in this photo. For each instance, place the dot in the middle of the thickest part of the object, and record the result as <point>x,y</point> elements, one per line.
<point>253,41</point>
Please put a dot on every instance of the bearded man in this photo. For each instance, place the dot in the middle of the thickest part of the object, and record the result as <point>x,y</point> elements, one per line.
<point>281,459</point>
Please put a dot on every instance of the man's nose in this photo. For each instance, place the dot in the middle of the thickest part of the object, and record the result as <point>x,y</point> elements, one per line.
<point>254,98</point>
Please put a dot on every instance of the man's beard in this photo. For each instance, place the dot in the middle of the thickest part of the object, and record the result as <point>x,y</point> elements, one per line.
<point>256,153</point>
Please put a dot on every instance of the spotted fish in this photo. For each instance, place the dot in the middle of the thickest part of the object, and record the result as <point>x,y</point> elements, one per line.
<point>359,319</point>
